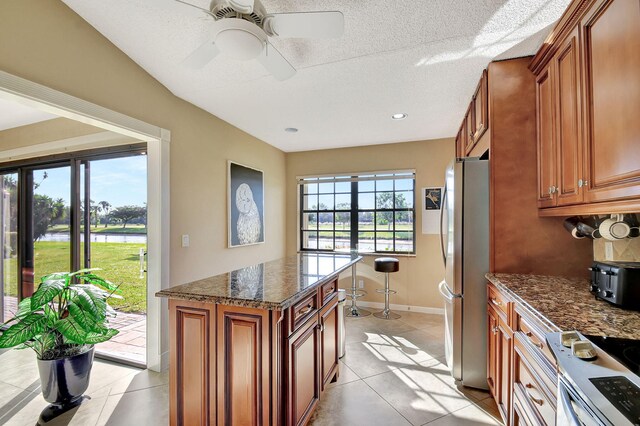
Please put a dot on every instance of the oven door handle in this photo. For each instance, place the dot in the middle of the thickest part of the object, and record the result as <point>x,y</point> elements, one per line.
<point>570,416</point>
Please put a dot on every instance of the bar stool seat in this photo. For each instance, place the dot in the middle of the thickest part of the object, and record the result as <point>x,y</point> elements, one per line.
<point>386,265</point>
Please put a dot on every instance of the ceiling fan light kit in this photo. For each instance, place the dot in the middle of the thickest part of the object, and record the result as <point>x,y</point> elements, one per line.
<point>240,39</point>
<point>242,28</point>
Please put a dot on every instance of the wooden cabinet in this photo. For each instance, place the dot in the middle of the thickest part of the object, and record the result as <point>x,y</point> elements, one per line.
<point>476,120</point>
<point>234,365</point>
<point>499,343</point>
<point>329,341</point>
<point>243,365</point>
<point>588,95</point>
<point>480,108</point>
<point>546,138</point>
<point>192,381</point>
<point>521,370</point>
<point>493,343</point>
<point>304,378</point>
<point>611,42</point>
<point>560,171</point>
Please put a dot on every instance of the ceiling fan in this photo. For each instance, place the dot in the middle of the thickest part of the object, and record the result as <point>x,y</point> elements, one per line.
<point>242,28</point>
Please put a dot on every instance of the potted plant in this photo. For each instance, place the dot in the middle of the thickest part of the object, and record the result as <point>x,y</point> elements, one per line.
<point>62,321</point>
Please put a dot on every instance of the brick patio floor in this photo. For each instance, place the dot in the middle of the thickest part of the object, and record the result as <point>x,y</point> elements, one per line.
<point>129,344</point>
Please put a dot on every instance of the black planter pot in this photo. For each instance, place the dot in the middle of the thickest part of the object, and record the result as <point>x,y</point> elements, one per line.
<point>64,380</point>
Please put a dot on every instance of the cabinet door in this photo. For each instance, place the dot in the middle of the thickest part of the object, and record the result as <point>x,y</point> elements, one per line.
<point>470,125</point>
<point>569,129</point>
<point>492,355</point>
<point>460,142</point>
<point>611,45</point>
<point>546,138</point>
<point>505,348</point>
<point>192,383</point>
<point>304,372</point>
<point>481,108</point>
<point>243,366</point>
<point>329,340</point>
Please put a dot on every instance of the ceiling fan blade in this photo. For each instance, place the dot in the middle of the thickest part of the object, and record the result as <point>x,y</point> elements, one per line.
<point>201,56</point>
<point>208,12</point>
<point>242,6</point>
<point>306,24</point>
<point>275,63</point>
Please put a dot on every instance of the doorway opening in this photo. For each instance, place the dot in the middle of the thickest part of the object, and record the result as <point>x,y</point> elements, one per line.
<point>74,211</point>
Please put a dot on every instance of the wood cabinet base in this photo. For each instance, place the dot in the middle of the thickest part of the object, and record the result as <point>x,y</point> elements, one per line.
<point>232,365</point>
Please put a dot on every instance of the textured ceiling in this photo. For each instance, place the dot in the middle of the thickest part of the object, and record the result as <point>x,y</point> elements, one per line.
<point>419,57</point>
<point>13,114</point>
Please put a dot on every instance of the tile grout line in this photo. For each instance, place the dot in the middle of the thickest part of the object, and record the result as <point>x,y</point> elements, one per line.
<point>385,400</point>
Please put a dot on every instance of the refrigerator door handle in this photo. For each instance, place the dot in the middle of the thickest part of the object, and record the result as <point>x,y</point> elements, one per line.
<point>442,248</point>
<point>446,293</point>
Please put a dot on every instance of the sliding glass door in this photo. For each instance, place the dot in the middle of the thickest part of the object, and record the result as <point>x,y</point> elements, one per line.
<point>8,244</point>
<point>84,210</point>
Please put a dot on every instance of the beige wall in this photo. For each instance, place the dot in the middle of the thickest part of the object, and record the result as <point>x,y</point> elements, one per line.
<point>417,280</point>
<point>46,42</point>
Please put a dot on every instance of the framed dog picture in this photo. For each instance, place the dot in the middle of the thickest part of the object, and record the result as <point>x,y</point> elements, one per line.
<point>245,205</point>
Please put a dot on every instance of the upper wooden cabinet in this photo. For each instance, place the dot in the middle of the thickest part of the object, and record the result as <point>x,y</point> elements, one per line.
<point>588,95</point>
<point>475,122</point>
<point>480,108</point>
<point>611,48</point>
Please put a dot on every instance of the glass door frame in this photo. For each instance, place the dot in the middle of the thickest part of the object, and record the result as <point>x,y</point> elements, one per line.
<point>25,188</point>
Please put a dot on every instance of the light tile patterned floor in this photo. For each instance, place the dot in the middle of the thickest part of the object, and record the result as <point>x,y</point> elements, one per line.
<point>393,374</point>
<point>129,344</point>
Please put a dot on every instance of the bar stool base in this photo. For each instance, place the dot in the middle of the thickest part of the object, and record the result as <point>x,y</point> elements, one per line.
<point>387,314</point>
<point>355,312</point>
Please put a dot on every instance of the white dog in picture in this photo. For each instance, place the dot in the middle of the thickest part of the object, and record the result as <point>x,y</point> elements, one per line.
<point>249,225</point>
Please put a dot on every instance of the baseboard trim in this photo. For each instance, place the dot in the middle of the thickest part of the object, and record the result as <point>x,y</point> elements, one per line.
<point>409,308</point>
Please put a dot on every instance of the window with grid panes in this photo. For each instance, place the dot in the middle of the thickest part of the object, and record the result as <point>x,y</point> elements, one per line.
<point>371,212</point>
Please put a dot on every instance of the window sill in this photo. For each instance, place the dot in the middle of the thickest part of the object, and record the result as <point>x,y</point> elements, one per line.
<point>367,254</point>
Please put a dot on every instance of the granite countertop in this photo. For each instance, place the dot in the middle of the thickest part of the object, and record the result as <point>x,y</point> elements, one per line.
<point>568,304</point>
<point>272,285</point>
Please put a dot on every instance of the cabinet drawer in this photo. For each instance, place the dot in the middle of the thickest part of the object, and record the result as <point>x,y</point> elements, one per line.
<point>302,311</point>
<point>498,301</point>
<point>529,383</point>
<point>327,290</point>
<point>534,336</point>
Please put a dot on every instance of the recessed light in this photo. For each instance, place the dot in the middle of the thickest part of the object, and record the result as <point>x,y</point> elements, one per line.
<point>399,116</point>
<point>291,130</point>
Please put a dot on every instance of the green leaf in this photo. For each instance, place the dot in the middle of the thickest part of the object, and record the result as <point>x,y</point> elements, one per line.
<point>52,316</point>
<point>71,330</point>
<point>96,280</point>
<point>93,338</point>
<point>85,319</point>
<point>47,291</point>
<point>90,302</point>
<point>24,309</point>
<point>27,328</point>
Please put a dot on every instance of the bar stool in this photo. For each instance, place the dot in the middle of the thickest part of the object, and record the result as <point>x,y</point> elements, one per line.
<point>354,311</point>
<point>387,265</point>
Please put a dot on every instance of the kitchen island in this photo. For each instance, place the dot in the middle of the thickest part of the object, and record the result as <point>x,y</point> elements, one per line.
<point>257,345</point>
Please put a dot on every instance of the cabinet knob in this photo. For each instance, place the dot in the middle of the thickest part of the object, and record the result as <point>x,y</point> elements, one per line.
<point>494,329</point>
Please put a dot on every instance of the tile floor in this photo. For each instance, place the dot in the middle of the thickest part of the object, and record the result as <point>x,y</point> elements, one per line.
<point>393,374</point>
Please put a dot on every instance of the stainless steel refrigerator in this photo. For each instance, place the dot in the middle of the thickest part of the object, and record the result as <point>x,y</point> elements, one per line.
<point>464,236</point>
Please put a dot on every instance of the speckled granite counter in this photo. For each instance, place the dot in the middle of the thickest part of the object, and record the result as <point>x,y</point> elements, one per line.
<point>272,285</point>
<point>568,305</point>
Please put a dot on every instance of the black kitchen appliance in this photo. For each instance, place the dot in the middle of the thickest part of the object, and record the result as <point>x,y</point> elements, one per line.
<point>617,283</point>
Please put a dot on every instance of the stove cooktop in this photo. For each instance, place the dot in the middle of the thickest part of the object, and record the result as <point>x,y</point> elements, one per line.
<point>626,351</point>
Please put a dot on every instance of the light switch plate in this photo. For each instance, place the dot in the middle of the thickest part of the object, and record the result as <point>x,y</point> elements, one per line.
<point>361,284</point>
<point>608,250</point>
<point>185,240</point>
